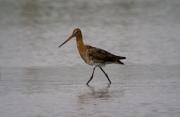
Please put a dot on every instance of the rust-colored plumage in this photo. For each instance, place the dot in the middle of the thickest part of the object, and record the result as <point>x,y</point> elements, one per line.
<point>92,55</point>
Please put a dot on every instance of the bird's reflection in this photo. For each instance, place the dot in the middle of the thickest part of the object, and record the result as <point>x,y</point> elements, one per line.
<point>100,93</point>
<point>95,94</point>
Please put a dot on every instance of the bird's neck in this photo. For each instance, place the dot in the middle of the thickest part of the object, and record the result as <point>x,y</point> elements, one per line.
<point>80,43</point>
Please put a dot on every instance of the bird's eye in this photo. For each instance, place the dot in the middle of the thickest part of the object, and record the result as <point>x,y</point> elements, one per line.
<point>75,32</point>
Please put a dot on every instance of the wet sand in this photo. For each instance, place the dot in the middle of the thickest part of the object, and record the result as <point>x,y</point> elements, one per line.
<point>136,91</point>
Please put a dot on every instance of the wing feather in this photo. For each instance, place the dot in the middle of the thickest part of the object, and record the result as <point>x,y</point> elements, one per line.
<point>100,55</point>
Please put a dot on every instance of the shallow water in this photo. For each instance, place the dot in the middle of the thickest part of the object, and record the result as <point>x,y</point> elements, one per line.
<point>137,91</point>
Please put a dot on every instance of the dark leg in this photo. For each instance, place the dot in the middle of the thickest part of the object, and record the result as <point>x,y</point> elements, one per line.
<point>91,76</point>
<point>105,74</point>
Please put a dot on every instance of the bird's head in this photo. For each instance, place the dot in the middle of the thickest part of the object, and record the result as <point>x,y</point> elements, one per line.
<point>76,31</point>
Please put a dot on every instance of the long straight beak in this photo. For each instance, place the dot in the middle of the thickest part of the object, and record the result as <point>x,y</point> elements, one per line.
<point>66,41</point>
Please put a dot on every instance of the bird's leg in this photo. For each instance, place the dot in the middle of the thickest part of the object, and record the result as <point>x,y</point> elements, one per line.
<point>91,76</point>
<point>105,74</point>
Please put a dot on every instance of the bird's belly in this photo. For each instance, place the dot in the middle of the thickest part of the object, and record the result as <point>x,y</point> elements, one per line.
<point>88,61</point>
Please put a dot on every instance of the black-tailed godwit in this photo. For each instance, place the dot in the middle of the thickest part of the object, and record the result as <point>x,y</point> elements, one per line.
<point>93,56</point>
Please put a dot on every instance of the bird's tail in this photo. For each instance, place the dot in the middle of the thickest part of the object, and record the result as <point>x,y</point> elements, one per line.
<point>120,62</point>
<point>120,58</point>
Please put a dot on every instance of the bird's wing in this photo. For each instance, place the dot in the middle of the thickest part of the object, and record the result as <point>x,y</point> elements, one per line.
<point>100,55</point>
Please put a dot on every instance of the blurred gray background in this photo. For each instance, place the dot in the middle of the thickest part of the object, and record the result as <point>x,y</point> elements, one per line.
<point>38,79</point>
<point>145,31</point>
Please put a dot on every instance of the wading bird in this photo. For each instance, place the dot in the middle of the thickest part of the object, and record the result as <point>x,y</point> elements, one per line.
<point>93,56</point>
